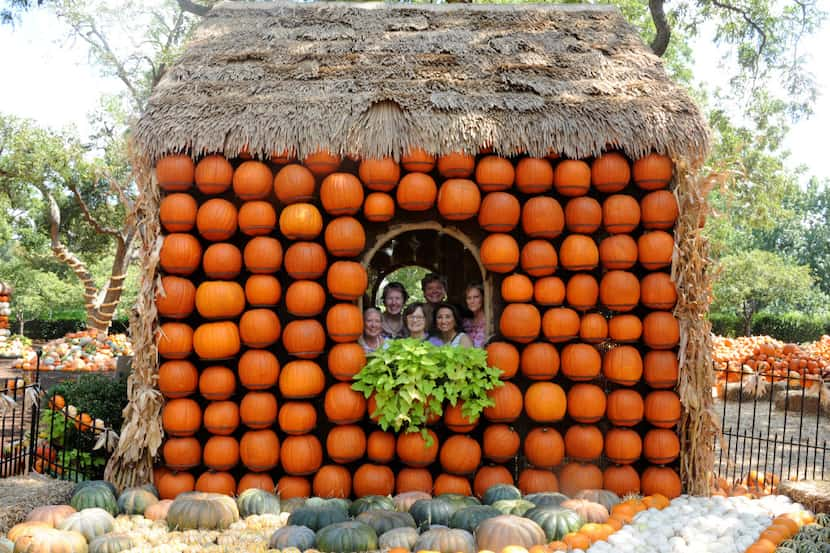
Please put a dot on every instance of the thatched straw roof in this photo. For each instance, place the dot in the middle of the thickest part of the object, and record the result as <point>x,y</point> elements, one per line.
<point>372,79</point>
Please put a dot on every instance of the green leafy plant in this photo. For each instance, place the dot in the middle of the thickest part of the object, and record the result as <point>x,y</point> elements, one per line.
<point>411,379</point>
<point>101,396</point>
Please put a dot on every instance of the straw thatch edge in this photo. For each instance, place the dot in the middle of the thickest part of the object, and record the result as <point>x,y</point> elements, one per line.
<point>699,426</point>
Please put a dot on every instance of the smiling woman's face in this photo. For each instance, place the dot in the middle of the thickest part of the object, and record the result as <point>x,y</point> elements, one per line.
<point>393,302</point>
<point>474,300</point>
<point>371,324</point>
<point>445,320</point>
<point>434,292</point>
<point>416,322</point>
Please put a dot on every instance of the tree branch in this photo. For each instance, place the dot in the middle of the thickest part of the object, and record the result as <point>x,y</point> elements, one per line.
<point>658,16</point>
<point>60,251</point>
<point>193,7</point>
<point>745,15</point>
<point>87,214</point>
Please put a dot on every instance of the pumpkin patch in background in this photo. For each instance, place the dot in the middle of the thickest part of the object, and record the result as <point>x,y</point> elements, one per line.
<point>262,272</point>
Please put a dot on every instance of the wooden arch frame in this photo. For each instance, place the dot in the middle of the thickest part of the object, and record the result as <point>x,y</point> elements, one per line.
<point>490,303</point>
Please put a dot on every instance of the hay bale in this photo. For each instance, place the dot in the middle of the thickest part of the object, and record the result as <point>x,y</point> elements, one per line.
<point>746,391</point>
<point>20,494</point>
<point>796,400</point>
<point>813,494</point>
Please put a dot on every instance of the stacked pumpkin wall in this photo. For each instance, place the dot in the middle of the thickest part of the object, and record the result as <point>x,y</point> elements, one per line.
<point>260,324</point>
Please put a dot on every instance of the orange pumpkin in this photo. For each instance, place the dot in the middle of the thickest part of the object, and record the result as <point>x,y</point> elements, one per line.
<point>661,446</point>
<point>655,249</point>
<point>660,368</point>
<point>347,280</point>
<point>346,443</point>
<point>499,253</point>
<point>305,298</point>
<point>450,483</point>
<point>659,210</point>
<point>537,481</point>
<point>305,260</point>
<point>578,252</point>
<point>181,417</point>
<point>322,163</point>
<point>500,443</point>
<point>221,417</point>
<point>625,407</point>
<point>520,322</point>
<point>593,328</point>
<point>517,288</point>
<point>456,165</point>
<point>618,251</point>
<point>499,212</point>
<point>538,258</point>
<point>259,450</point>
<point>263,290</point>
<point>620,214</point>
<point>301,221</point>
<point>217,383</point>
<point>610,172</point>
<point>255,480</point>
<point>222,261</point>
<point>182,453</point>
<point>379,207</point>
<point>458,199</point>
<point>341,194</point>
<point>330,481</point>
<point>490,476</point>
<point>177,212</point>
<point>619,291</point>
<point>175,340</point>
<point>542,217</point>
<point>177,378</point>
<point>301,380</point>
<point>623,446</point>
<point>503,356</point>
<point>653,171</point>
<point>259,328</point>
<point>572,177</point>
<point>297,486</point>
<point>657,291</point>
<point>622,365</point>
<point>301,455</point>
<point>175,172</point>
<point>413,451</point>
<point>372,479</point>
<point>252,180</point>
<point>176,298</point>
<point>575,477</point>
<point>418,159</point>
<point>507,403</point>
<point>661,330</point>
<point>582,292</point>
<point>534,175</point>
<point>379,174</point>
<point>583,215</point>
<point>416,192</point>
<point>346,360</point>
<point>380,447</point>
<point>263,255</point>
<point>460,455</point>
<point>625,328</point>
<point>257,218</point>
<point>219,299</point>
<point>539,361</point>
<point>216,220</point>
<point>544,447</point>
<point>221,453</point>
<point>662,408</point>
<point>545,402</point>
<point>258,409</point>
<point>580,362</point>
<point>258,369</point>
<point>549,290</point>
<point>180,254</point>
<point>344,405</point>
<point>583,442</point>
<point>297,417</point>
<point>586,403</point>
<point>494,173</point>
<point>345,237</point>
<point>213,174</point>
<point>662,480</point>
<point>560,324</point>
<point>294,183</point>
<point>621,479</point>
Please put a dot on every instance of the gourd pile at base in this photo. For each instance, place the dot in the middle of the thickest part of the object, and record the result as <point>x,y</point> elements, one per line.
<point>259,324</point>
<point>501,521</point>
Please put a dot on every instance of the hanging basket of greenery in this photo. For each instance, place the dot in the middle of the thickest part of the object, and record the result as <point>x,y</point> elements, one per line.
<point>411,379</point>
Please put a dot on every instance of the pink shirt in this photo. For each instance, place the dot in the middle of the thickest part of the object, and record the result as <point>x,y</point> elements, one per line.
<point>475,331</point>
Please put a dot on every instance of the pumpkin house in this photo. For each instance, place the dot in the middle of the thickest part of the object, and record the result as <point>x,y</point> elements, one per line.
<point>296,154</point>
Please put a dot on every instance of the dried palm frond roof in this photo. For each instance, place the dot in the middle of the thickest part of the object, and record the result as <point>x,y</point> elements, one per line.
<point>374,79</point>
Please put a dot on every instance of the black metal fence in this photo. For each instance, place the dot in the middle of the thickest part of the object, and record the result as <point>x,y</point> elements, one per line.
<point>48,436</point>
<point>775,427</point>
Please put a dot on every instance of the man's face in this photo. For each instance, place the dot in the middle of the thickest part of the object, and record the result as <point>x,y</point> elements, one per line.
<point>434,292</point>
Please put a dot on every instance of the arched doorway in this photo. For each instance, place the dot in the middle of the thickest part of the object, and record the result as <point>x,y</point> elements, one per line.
<point>440,249</point>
